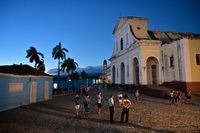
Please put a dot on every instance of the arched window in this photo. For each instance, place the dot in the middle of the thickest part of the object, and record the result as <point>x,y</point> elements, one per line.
<point>121,43</point>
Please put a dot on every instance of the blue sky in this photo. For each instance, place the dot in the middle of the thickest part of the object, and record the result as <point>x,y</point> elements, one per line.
<point>84,27</point>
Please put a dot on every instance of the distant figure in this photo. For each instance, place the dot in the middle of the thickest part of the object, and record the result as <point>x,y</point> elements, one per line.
<point>171,97</point>
<point>77,105</point>
<point>137,96</point>
<point>105,87</point>
<point>99,99</point>
<point>188,95</point>
<point>178,98</point>
<point>126,105</point>
<point>111,107</point>
<point>86,103</point>
<point>120,99</point>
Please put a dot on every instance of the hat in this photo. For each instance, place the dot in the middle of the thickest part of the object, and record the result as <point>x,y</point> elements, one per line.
<point>76,95</point>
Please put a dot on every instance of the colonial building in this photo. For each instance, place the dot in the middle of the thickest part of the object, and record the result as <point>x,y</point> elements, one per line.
<point>154,57</point>
<point>106,73</point>
<point>22,85</point>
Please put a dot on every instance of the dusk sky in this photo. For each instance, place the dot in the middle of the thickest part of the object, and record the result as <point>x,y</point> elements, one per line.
<point>84,27</point>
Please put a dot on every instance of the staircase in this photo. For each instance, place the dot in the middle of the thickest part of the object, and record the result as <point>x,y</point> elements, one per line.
<point>156,91</point>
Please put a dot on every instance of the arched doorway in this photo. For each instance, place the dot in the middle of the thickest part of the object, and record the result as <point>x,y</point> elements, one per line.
<point>152,71</point>
<point>136,77</point>
<point>113,74</point>
<point>122,68</point>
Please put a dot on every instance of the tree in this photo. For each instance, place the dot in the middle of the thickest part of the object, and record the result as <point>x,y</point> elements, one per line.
<point>84,74</point>
<point>69,65</point>
<point>59,53</point>
<point>40,66</point>
<point>76,76</point>
<point>34,56</point>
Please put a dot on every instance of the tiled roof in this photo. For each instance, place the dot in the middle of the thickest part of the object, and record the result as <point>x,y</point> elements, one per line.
<point>170,36</point>
<point>21,70</point>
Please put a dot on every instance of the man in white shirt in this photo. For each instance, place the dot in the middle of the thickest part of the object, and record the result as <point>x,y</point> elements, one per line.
<point>99,98</point>
<point>111,107</point>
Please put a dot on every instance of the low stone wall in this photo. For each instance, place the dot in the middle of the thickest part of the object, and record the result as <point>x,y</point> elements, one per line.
<point>155,93</point>
<point>143,89</point>
<point>183,86</point>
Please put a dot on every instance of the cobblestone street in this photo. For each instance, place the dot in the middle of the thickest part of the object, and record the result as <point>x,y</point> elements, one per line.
<point>57,116</point>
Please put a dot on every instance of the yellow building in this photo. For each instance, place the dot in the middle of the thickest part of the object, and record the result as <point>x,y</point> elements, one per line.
<point>154,57</point>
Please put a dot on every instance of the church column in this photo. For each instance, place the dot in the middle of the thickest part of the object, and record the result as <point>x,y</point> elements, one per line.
<point>142,69</point>
<point>130,71</point>
<point>118,73</point>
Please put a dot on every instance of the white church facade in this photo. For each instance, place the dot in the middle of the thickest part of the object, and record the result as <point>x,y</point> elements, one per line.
<point>154,57</point>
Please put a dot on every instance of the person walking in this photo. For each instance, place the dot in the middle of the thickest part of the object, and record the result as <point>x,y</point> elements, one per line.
<point>86,103</point>
<point>120,99</point>
<point>188,95</point>
<point>171,97</point>
<point>99,99</point>
<point>137,96</point>
<point>77,105</point>
<point>111,107</point>
<point>179,98</point>
<point>126,105</point>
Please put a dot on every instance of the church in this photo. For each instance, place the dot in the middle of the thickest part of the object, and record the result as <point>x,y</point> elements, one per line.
<point>154,57</point>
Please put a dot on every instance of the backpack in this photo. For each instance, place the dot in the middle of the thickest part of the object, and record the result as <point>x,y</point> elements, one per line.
<point>85,104</point>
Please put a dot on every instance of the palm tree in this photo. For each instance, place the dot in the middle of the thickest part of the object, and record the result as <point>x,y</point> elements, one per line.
<point>69,65</point>
<point>40,66</point>
<point>66,67</point>
<point>33,55</point>
<point>59,53</point>
<point>74,66</point>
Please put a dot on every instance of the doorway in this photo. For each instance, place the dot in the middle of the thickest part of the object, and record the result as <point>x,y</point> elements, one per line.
<point>152,71</point>
<point>113,74</point>
<point>46,90</point>
<point>122,73</point>
<point>33,92</point>
<point>136,77</point>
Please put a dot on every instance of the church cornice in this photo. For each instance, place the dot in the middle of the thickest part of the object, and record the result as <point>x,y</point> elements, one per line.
<point>143,42</point>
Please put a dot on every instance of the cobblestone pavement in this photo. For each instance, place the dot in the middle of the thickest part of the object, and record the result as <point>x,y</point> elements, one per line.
<point>57,116</point>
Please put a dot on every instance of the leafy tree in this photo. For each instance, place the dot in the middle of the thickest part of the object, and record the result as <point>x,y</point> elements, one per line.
<point>84,75</point>
<point>59,53</point>
<point>76,76</point>
<point>34,56</point>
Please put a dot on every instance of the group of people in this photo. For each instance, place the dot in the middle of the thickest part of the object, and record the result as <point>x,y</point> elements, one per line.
<point>175,97</point>
<point>124,103</point>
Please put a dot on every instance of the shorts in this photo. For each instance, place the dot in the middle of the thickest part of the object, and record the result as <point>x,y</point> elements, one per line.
<point>99,105</point>
<point>120,100</point>
<point>77,106</point>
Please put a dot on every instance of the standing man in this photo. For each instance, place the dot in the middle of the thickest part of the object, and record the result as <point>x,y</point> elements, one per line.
<point>99,98</point>
<point>111,107</point>
<point>126,105</point>
<point>86,103</point>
